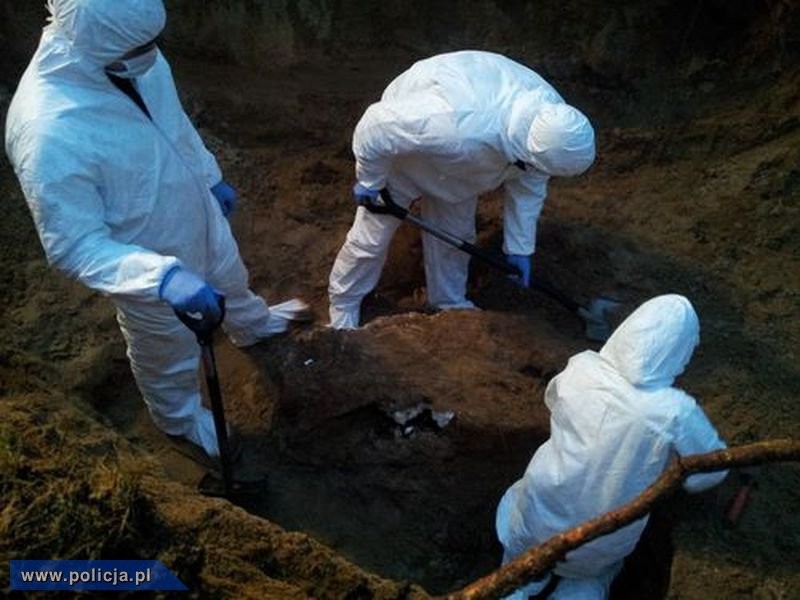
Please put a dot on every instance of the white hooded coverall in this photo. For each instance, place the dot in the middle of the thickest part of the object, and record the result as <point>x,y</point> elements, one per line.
<point>448,129</point>
<point>119,199</point>
<point>616,421</point>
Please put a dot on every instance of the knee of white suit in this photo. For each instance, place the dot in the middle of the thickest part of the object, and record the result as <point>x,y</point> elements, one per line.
<point>368,239</point>
<point>164,357</point>
<point>356,272</point>
<point>352,278</point>
<point>370,234</point>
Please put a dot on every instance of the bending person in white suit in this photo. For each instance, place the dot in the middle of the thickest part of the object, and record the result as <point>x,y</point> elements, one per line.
<point>447,130</point>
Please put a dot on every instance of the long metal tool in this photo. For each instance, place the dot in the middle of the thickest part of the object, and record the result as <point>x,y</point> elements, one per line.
<point>218,410</point>
<point>210,484</point>
<point>593,315</point>
<point>204,331</point>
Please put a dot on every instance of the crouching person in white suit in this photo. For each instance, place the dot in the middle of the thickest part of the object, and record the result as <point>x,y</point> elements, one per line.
<point>616,422</point>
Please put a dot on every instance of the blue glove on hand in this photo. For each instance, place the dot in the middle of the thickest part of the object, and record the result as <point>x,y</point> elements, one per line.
<point>365,196</point>
<point>226,196</point>
<point>523,263</point>
<point>375,202</point>
<point>195,302</point>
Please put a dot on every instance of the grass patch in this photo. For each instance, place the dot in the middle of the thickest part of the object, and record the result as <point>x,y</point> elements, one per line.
<point>68,491</point>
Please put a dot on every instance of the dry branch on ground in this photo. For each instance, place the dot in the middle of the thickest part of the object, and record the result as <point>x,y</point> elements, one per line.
<point>540,559</point>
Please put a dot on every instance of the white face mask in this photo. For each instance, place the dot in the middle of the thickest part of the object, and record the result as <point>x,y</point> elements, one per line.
<point>135,66</point>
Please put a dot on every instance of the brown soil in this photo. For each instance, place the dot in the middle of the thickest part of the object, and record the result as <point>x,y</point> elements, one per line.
<point>696,191</point>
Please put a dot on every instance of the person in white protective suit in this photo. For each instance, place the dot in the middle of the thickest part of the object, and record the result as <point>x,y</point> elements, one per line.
<point>452,127</point>
<point>616,422</point>
<point>127,199</point>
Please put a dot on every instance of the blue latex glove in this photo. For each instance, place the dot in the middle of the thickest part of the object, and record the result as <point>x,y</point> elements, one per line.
<point>373,201</point>
<point>226,196</point>
<point>523,263</point>
<point>365,196</point>
<point>195,302</point>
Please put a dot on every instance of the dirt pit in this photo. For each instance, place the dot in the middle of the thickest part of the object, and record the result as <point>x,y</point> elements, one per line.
<point>392,445</point>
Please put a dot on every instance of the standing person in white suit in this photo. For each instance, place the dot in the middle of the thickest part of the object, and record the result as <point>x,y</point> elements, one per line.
<point>449,129</point>
<point>127,199</point>
<point>616,422</point>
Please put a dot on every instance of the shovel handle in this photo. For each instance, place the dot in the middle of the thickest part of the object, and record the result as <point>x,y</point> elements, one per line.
<point>203,328</point>
<point>556,295</point>
<point>488,257</point>
<point>218,411</point>
<point>204,332</point>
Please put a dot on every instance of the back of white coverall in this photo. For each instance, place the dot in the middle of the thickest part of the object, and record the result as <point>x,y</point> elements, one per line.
<point>448,129</point>
<point>616,421</point>
<point>119,198</point>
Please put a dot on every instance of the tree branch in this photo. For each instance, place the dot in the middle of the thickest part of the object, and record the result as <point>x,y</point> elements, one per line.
<point>540,559</point>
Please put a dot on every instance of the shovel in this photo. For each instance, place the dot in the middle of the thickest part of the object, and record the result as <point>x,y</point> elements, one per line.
<point>594,315</point>
<point>211,485</point>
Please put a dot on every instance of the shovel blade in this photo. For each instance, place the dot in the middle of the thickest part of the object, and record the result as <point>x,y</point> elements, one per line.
<point>596,317</point>
<point>213,486</point>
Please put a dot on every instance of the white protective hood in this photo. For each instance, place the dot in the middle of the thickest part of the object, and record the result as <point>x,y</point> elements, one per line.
<point>655,343</point>
<point>100,31</point>
<point>554,137</point>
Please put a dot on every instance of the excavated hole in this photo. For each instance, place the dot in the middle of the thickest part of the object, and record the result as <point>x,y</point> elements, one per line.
<point>409,489</point>
<point>410,501</point>
<point>374,448</point>
<point>419,505</point>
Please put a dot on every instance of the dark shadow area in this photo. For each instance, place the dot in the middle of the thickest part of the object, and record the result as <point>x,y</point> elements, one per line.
<point>357,459</point>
